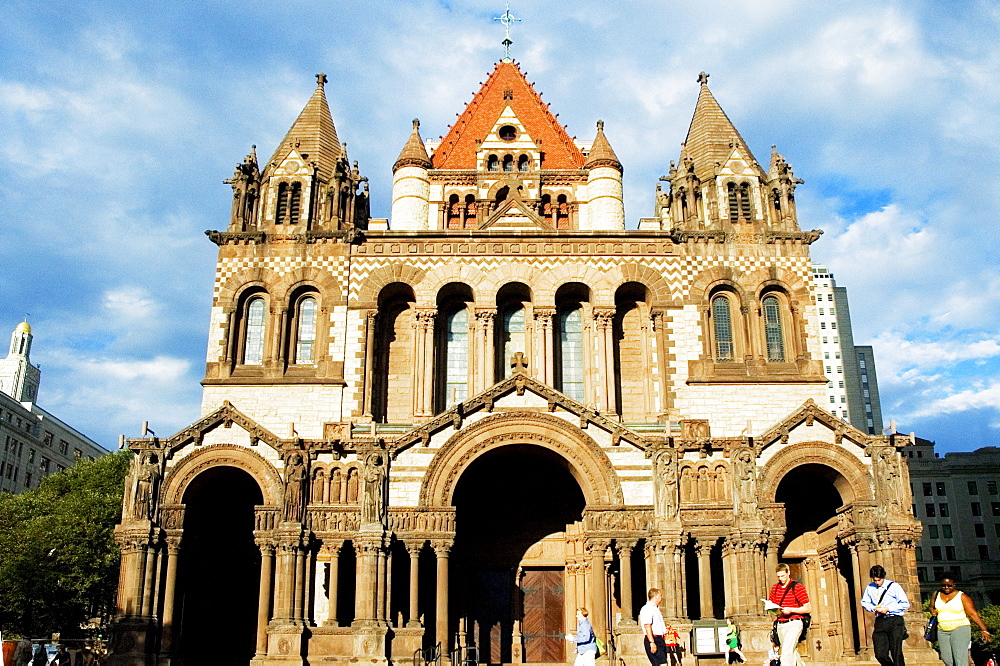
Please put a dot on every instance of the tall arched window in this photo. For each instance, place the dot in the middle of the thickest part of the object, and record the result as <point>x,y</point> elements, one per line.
<point>492,163</point>
<point>294,203</point>
<point>745,202</point>
<point>570,330</point>
<point>511,335</point>
<point>722,321</point>
<point>456,357</point>
<point>454,212</point>
<point>253,336</point>
<point>739,202</point>
<point>522,163</point>
<point>470,211</point>
<point>773,333</point>
<point>508,162</point>
<point>305,334</point>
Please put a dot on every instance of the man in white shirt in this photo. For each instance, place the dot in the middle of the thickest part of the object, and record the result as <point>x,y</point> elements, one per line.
<point>653,626</point>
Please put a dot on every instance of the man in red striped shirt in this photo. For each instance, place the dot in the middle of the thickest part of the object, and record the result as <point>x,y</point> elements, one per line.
<point>793,602</point>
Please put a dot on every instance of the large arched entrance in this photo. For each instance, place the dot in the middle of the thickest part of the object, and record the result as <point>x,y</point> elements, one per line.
<point>515,505</point>
<point>219,569</point>
<point>816,497</point>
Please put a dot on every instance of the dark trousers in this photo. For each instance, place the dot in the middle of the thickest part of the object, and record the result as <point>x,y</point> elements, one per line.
<point>658,657</point>
<point>887,639</point>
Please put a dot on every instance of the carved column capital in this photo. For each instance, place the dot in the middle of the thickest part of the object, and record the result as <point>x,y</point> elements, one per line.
<point>594,546</point>
<point>413,548</point>
<point>442,547</point>
<point>625,546</point>
<point>604,317</point>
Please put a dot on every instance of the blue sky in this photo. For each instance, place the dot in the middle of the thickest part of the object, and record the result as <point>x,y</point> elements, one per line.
<point>120,120</point>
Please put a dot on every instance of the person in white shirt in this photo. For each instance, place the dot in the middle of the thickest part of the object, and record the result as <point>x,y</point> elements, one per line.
<point>653,628</point>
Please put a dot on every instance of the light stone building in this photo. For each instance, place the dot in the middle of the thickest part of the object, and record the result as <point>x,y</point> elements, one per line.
<point>455,426</point>
<point>957,498</point>
<point>35,443</point>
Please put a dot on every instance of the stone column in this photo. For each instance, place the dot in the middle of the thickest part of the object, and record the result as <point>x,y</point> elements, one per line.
<point>546,359</point>
<point>442,550</point>
<point>419,371</point>
<point>625,548</point>
<point>659,331</point>
<point>861,562</point>
<point>598,587</point>
<point>730,580</point>
<point>299,584</point>
<point>604,318</point>
<point>264,594</point>
<point>648,407</point>
<point>703,549</point>
<point>367,371</point>
<point>367,548</point>
<point>333,554</point>
<point>429,318</point>
<point>169,591</point>
<point>413,550</point>
<point>380,584</point>
<point>148,589</point>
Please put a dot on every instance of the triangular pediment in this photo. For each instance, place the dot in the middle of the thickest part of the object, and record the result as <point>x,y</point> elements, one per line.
<point>515,214</point>
<point>740,163</point>
<point>517,384</point>
<point>225,416</point>
<point>809,416</point>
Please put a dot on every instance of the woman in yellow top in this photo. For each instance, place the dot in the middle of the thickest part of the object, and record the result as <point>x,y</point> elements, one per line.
<point>954,610</point>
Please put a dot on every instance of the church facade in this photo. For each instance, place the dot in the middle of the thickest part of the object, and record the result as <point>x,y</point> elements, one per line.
<point>454,427</point>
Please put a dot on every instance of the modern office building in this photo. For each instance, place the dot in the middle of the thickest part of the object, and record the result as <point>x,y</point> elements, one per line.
<point>852,386</point>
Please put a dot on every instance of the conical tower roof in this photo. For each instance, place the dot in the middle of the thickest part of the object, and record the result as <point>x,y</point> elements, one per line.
<point>414,153</point>
<point>506,86</point>
<point>601,152</point>
<point>710,134</point>
<point>313,134</point>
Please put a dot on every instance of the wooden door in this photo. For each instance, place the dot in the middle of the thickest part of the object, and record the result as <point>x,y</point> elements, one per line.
<point>544,616</point>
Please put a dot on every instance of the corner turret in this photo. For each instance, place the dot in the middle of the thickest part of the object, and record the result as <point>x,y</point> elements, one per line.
<point>18,377</point>
<point>606,205</point>
<point>410,184</point>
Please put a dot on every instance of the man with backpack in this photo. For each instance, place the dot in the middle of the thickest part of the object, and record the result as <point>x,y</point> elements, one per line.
<point>887,600</point>
<point>793,606</point>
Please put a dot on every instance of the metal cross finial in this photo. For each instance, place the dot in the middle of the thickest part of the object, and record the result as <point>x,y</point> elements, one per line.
<point>506,18</point>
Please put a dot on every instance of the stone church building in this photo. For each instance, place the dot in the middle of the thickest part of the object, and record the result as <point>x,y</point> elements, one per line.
<point>456,426</point>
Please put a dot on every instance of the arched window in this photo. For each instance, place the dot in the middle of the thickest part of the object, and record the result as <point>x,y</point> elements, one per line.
<point>305,334</point>
<point>570,331</point>
<point>722,322</point>
<point>547,210</point>
<point>454,212</point>
<point>456,359</point>
<point>739,202</point>
<point>508,163</point>
<point>253,336</point>
<point>492,163</point>
<point>281,206</point>
<point>512,335</point>
<point>522,163</point>
<point>773,332</point>
<point>745,211</point>
<point>502,194</point>
<point>470,211</point>
<point>294,203</point>
<point>562,212</point>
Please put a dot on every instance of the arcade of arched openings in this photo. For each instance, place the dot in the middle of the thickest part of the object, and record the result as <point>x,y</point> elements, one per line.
<point>442,432</point>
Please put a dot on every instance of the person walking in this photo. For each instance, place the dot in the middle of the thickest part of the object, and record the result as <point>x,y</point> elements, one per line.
<point>41,657</point>
<point>585,639</point>
<point>22,653</point>
<point>954,610</point>
<point>653,628</point>
<point>887,600</point>
<point>793,603</point>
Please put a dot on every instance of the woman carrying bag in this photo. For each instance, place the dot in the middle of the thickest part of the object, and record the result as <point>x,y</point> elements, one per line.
<point>953,611</point>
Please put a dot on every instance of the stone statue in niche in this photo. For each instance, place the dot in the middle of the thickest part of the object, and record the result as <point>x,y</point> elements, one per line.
<point>745,482</point>
<point>888,478</point>
<point>145,485</point>
<point>375,489</point>
<point>665,486</point>
<point>296,482</point>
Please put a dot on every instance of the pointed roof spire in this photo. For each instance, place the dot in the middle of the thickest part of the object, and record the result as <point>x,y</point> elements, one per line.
<point>313,133</point>
<point>506,86</point>
<point>711,135</point>
<point>414,153</point>
<point>601,153</point>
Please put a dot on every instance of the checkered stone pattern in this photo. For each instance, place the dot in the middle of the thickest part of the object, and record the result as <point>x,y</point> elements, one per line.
<point>337,266</point>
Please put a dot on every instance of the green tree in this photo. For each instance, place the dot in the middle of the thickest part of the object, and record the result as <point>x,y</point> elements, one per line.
<point>991,618</point>
<point>58,558</point>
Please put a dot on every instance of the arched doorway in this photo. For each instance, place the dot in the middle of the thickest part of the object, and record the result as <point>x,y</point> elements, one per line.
<point>815,498</point>
<point>514,507</point>
<point>219,569</point>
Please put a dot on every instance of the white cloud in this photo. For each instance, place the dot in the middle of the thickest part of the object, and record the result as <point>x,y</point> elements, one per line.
<point>988,397</point>
<point>899,358</point>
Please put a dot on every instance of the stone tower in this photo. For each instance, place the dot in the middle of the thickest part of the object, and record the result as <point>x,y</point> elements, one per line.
<point>18,377</point>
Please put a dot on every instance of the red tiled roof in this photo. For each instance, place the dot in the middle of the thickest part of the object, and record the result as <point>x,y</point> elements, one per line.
<point>458,148</point>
